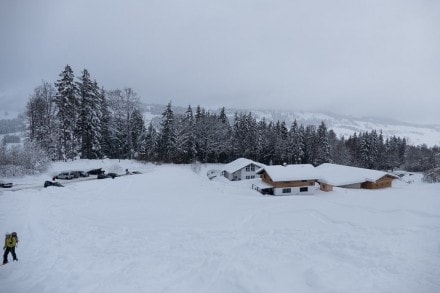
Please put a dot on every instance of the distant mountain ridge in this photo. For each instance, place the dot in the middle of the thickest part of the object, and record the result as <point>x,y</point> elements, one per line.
<point>342,125</point>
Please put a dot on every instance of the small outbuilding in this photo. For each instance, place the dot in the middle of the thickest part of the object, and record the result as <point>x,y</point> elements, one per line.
<point>241,169</point>
<point>352,177</point>
<point>288,179</point>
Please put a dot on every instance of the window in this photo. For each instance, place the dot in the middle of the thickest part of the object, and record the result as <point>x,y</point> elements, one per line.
<point>248,177</point>
<point>250,168</point>
<point>303,189</point>
<point>287,190</point>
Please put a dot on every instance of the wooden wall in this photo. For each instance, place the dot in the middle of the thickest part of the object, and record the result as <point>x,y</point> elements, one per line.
<point>284,184</point>
<point>385,181</point>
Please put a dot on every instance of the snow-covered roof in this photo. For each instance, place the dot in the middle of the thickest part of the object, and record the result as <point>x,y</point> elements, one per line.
<point>240,164</point>
<point>290,172</point>
<point>339,175</point>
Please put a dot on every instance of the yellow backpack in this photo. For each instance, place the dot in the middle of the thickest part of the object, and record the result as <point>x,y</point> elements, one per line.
<point>11,239</point>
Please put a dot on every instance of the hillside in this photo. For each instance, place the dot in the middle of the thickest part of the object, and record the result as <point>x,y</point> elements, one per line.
<point>171,229</point>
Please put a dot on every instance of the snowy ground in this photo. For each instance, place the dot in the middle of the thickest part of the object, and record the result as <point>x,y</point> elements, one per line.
<point>171,229</point>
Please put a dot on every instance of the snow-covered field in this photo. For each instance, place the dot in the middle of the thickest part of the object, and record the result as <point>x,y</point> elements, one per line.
<point>171,229</point>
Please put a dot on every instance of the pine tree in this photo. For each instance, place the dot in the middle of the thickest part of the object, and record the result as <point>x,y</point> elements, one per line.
<point>67,114</point>
<point>89,123</point>
<point>137,130</point>
<point>148,145</point>
<point>281,145</point>
<point>296,144</point>
<point>338,151</point>
<point>224,137</point>
<point>106,145</point>
<point>323,146</point>
<point>368,149</point>
<point>310,145</point>
<point>167,140</point>
<point>185,138</point>
<point>200,134</point>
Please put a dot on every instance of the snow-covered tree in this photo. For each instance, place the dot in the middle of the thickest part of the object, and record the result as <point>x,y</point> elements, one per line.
<point>185,138</point>
<point>90,114</point>
<point>282,148</point>
<point>322,145</point>
<point>67,114</point>
<point>122,105</point>
<point>338,151</point>
<point>41,121</point>
<point>148,144</point>
<point>369,149</point>
<point>137,130</point>
<point>245,136</point>
<point>296,144</point>
<point>310,145</point>
<point>166,146</point>
<point>223,135</point>
<point>106,137</point>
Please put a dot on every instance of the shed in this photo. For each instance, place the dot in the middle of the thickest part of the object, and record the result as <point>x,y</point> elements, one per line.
<point>352,177</point>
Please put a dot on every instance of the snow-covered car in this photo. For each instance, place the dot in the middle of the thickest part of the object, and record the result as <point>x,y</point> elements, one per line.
<point>78,174</point>
<point>109,175</point>
<point>213,173</point>
<point>96,171</point>
<point>6,184</point>
<point>65,175</point>
<point>50,183</point>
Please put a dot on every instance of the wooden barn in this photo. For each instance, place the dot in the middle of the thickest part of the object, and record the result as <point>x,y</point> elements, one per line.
<point>352,177</point>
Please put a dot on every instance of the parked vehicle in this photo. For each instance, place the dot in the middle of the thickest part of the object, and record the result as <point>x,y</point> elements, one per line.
<point>78,174</point>
<point>65,175</point>
<point>109,175</point>
<point>50,183</point>
<point>6,184</point>
<point>96,171</point>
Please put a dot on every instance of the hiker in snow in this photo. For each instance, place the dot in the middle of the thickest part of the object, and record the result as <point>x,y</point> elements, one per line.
<point>11,241</point>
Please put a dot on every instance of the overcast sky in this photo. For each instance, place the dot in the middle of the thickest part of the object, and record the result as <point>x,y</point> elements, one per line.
<point>363,58</point>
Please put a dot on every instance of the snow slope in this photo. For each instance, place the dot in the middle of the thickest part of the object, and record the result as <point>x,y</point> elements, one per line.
<point>171,229</point>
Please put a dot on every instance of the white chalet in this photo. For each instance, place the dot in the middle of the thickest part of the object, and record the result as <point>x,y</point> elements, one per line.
<point>241,169</point>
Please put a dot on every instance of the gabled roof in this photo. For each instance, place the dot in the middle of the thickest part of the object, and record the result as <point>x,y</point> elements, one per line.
<point>290,172</point>
<point>239,164</point>
<point>339,175</point>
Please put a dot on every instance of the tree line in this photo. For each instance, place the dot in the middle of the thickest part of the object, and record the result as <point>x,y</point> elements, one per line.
<point>75,118</point>
<point>209,137</point>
